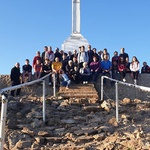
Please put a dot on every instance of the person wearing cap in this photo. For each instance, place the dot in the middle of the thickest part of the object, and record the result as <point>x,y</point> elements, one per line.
<point>15,79</point>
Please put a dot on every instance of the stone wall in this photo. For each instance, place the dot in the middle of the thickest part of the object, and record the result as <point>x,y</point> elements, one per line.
<point>35,89</point>
<point>109,90</point>
<point>126,91</point>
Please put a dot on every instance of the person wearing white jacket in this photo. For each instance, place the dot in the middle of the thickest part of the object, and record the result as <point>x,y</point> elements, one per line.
<point>82,57</point>
<point>135,67</point>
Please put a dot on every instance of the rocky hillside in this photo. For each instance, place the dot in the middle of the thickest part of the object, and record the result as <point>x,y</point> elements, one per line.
<point>75,123</point>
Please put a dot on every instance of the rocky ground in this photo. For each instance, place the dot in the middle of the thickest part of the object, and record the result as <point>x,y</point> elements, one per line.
<point>77,124</point>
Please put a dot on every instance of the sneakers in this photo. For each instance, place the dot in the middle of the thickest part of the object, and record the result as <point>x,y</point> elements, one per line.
<point>124,80</point>
<point>85,82</point>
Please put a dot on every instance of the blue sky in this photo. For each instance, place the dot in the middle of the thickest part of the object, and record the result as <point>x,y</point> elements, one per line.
<point>26,26</point>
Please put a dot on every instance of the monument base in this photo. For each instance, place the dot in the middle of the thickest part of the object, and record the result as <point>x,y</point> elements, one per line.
<point>73,42</point>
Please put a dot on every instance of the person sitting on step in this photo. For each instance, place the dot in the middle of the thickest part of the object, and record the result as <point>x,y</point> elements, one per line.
<point>56,67</point>
<point>106,66</point>
<point>95,68</point>
<point>37,69</point>
<point>27,71</point>
<point>145,68</point>
<point>76,75</point>
<point>46,69</point>
<point>85,73</point>
<point>64,79</point>
<point>70,69</point>
<point>122,68</point>
<point>135,67</point>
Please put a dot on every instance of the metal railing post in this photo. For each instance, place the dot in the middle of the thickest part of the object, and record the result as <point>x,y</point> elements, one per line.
<point>54,84</point>
<point>102,87</point>
<point>44,105</point>
<point>117,110</point>
<point>3,120</point>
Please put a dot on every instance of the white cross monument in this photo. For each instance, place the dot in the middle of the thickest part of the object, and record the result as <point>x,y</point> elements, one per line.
<point>76,39</point>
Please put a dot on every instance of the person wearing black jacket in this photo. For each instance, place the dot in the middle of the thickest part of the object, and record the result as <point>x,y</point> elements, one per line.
<point>15,78</point>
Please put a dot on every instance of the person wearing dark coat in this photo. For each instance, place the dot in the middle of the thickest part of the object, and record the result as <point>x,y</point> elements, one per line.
<point>15,79</point>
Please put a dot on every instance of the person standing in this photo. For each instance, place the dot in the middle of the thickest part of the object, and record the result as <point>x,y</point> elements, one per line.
<point>105,52</point>
<point>90,54</point>
<point>36,57</point>
<point>43,54</point>
<point>75,54</point>
<point>95,53</point>
<point>15,79</point>
<point>82,57</point>
<point>64,62</point>
<point>58,54</point>
<point>69,56</point>
<point>50,54</point>
<point>115,57</point>
<point>123,54</point>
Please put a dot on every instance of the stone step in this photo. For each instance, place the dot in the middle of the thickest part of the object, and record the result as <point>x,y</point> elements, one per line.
<point>79,91</point>
<point>79,95</point>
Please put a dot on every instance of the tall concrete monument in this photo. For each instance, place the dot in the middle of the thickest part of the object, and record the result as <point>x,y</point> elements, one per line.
<point>76,39</point>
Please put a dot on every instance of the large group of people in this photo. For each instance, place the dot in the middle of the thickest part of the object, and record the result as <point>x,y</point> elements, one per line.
<point>79,66</point>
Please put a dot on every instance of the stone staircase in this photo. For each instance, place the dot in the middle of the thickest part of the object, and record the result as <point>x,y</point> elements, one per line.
<point>86,91</point>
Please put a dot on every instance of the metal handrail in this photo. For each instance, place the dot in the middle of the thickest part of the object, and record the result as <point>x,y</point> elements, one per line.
<point>4,91</point>
<point>24,84</point>
<point>116,89</point>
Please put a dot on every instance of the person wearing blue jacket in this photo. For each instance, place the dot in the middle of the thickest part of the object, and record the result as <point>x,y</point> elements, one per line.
<point>64,79</point>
